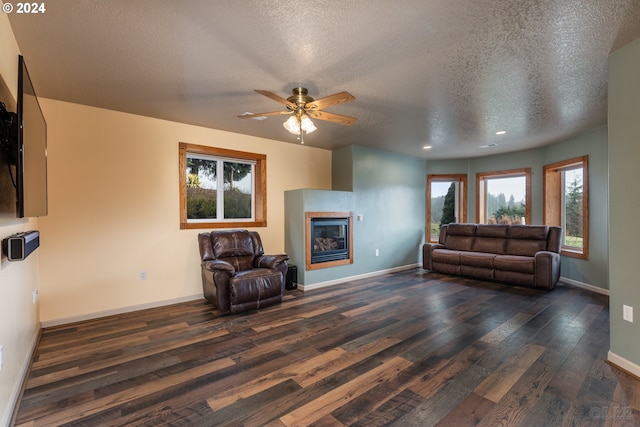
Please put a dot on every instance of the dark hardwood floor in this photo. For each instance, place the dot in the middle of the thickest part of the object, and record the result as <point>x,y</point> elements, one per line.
<point>407,349</point>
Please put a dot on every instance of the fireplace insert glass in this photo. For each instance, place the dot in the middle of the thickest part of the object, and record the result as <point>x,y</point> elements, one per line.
<point>329,239</point>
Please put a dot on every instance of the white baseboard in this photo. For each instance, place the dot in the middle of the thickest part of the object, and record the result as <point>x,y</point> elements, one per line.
<point>623,363</point>
<point>585,286</point>
<point>22,379</point>
<point>105,313</point>
<point>357,277</point>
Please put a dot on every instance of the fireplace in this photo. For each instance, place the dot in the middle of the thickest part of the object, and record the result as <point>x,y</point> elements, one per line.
<point>329,239</point>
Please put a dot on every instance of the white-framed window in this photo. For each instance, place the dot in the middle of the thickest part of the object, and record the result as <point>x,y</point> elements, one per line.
<point>221,188</point>
<point>566,203</point>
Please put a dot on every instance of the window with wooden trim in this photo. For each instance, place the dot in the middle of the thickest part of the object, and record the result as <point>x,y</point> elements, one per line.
<point>566,203</point>
<point>221,188</point>
<point>446,202</point>
<point>504,197</point>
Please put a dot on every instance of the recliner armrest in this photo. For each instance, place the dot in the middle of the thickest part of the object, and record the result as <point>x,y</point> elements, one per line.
<point>219,265</point>
<point>547,269</point>
<point>270,261</point>
<point>426,254</point>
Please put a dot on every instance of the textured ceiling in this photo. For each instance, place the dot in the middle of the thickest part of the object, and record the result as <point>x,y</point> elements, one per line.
<point>446,73</point>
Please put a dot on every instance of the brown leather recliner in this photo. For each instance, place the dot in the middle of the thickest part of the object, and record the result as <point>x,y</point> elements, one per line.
<point>236,274</point>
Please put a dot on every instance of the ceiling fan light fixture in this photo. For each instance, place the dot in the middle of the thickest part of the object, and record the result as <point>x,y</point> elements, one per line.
<point>295,123</point>
<point>300,105</point>
<point>292,125</point>
<point>307,125</point>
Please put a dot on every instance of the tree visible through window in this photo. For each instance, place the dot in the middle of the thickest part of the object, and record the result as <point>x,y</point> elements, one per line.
<point>220,188</point>
<point>503,197</point>
<point>446,202</point>
<point>566,203</point>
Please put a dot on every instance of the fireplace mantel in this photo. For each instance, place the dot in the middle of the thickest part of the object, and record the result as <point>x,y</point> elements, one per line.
<point>311,260</point>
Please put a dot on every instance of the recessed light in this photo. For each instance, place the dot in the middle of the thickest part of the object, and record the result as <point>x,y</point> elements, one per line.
<point>501,132</point>
<point>487,145</point>
<point>427,147</point>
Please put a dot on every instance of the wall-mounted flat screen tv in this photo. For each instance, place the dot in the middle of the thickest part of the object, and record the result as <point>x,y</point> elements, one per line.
<point>23,152</point>
<point>31,183</point>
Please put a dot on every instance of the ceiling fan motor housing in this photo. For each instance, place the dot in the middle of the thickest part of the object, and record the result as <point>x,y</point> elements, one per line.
<point>300,98</point>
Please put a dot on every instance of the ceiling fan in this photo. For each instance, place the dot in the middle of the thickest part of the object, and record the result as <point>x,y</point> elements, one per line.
<point>302,107</point>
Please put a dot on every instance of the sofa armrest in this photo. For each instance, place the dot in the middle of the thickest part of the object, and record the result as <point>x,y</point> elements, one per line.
<point>219,265</point>
<point>426,254</point>
<point>547,271</point>
<point>270,261</point>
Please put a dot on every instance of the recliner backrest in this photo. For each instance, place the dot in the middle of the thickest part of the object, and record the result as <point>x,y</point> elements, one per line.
<point>238,247</point>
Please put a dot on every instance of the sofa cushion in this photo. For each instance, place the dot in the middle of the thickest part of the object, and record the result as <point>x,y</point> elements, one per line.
<point>521,264</point>
<point>529,232</point>
<point>490,245</point>
<point>493,230</point>
<point>445,256</point>
<point>477,272</point>
<point>514,277</point>
<point>446,268</point>
<point>477,259</point>
<point>526,240</point>
<point>523,247</point>
<point>460,236</point>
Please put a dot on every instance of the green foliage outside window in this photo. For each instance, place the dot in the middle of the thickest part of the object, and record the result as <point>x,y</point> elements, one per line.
<point>449,206</point>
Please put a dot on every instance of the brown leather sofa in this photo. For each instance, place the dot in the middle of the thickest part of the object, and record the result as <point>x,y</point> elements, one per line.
<point>527,255</point>
<point>236,274</point>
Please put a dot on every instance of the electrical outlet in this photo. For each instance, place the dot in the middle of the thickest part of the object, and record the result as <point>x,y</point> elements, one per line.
<point>35,296</point>
<point>143,275</point>
<point>377,252</point>
<point>627,313</point>
<point>1,357</point>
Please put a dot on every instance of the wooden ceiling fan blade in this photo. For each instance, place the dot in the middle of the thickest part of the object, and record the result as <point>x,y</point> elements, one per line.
<point>277,98</point>
<point>331,117</point>
<point>272,113</point>
<point>329,101</point>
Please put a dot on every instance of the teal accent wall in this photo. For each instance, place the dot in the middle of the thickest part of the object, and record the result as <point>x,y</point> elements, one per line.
<point>624,200</point>
<point>593,271</point>
<point>296,203</point>
<point>342,169</point>
<point>387,190</point>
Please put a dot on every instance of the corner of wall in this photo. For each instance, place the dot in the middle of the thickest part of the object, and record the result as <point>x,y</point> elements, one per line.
<point>19,322</point>
<point>342,169</point>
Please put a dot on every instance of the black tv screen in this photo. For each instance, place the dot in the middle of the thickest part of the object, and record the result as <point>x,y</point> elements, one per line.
<point>31,169</point>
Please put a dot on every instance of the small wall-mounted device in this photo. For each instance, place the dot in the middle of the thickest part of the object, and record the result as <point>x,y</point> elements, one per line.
<point>20,245</point>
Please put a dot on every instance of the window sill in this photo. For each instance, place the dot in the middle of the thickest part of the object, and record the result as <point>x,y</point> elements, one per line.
<point>573,253</point>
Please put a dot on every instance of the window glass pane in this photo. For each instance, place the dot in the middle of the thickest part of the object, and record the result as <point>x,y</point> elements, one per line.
<point>201,188</point>
<point>573,208</point>
<point>506,200</point>
<point>238,190</point>
<point>443,205</point>
<point>213,180</point>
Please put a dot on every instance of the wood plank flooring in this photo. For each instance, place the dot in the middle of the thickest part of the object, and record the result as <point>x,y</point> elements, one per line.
<point>407,349</point>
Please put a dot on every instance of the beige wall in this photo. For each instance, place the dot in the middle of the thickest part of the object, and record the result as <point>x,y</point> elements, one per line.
<point>113,208</point>
<point>18,315</point>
